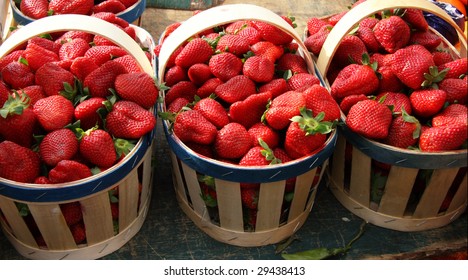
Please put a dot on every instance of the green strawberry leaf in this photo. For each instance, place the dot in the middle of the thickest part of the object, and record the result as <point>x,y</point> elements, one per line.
<point>280,247</point>
<point>207,180</point>
<point>23,209</point>
<point>15,105</point>
<point>123,146</point>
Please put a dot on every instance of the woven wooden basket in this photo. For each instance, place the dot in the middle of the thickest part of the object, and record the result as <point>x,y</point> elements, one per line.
<point>402,207</point>
<point>6,20</point>
<point>131,178</point>
<point>270,228</point>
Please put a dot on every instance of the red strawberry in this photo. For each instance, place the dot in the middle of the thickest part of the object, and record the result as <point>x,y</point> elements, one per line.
<point>259,69</point>
<point>17,120</point>
<point>204,150</point>
<point>410,63</point>
<point>403,132</point>
<point>232,141</point>
<point>78,232</point>
<point>441,57</point>
<point>73,49</point>
<point>82,66</point>
<point>397,100</point>
<point>425,38</point>
<point>74,34</point>
<point>137,87</point>
<point>272,33</point>
<point>368,22</point>
<point>249,197</point>
<point>275,86</point>
<point>456,67</point>
<point>97,146</point>
<point>333,20</point>
<point>301,81</point>
<point>454,113</point>
<point>82,7</point>
<point>109,6</point>
<point>35,92</point>
<point>54,112</point>
<point>103,78</point>
<point>199,73</point>
<point>392,33</point>
<point>354,79</point>
<point>35,9</point>
<point>185,89</point>
<point>17,75</point>
<point>213,111</point>
<point>427,102</point>
<point>366,34</point>
<point>235,89</point>
<point>129,63</point>
<point>456,90</point>
<point>58,145</point>
<point>115,210</point>
<point>318,99</point>
<point>13,56</point>
<point>251,34</point>
<point>177,105</point>
<point>225,66</point>
<point>415,18</point>
<point>250,110</point>
<point>370,119</point>
<point>191,126</point>
<point>254,157</point>
<point>264,132</point>
<point>314,24</point>
<point>315,42</point>
<point>348,102</point>
<point>283,108</point>
<point>388,81</point>
<point>349,51</point>
<point>102,54</point>
<point>234,44</point>
<point>68,171</point>
<point>443,138</point>
<point>87,112</point>
<point>53,79</point>
<point>72,212</point>
<point>128,3</point>
<point>295,63</point>
<point>42,180</point>
<point>196,51</point>
<point>208,87</point>
<point>18,163</point>
<point>174,75</point>
<point>268,50</point>
<point>128,120</point>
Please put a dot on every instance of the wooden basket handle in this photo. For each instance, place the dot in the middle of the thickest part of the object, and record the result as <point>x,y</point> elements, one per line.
<point>221,15</point>
<point>79,23</point>
<point>370,7</point>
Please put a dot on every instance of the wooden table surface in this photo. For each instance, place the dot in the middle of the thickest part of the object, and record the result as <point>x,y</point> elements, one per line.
<point>168,234</point>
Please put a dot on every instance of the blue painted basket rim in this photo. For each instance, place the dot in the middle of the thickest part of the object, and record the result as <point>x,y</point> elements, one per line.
<point>130,15</point>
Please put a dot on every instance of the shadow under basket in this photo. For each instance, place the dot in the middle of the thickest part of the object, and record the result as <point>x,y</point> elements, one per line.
<point>398,189</point>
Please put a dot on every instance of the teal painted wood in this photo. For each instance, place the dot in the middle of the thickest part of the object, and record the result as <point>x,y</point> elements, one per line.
<point>181,4</point>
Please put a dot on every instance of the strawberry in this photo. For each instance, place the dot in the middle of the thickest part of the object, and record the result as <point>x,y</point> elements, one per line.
<point>60,7</point>
<point>350,50</point>
<point>268,50</point>
<point>315,41</point>
<point>276,87</point>
<point>301,81</point>
<point>196,51</point>
<point>18,163</point>
<point>82,66</point>
<point>456,68</point>
<point>403,132</point>
<point>67,171</point>
<point>78,232</point>
<point>333,20</point>
<point>54,79</point>
<point>46,44</point>
<point>42,180</point>
<point>17,75</point>
<point>87,112</point>
<point>13,56</point>
<point>259,69</point>
<point>213,111</point>
<point>427,102</point>
<point>54,112</point>
<point>456,90</point>
<point>249,197</point>
<point>254,157</point>
<point>72,212</point>
<point>272,33</point>
<point>366,34</point>
<point>115,210</point>
<point>283,108</point>
<point>185,89</point>
<point>415,18</point>
<point>174,75</point>
<point>74,34</point>
<point>443,138</point>
<point>137,87</point>
<point>204,150</point>
<point>251,35</point>
<point>236,26</point>
<point>454,113</point>
<point>368,22</point>
<point>128,3</point>
<point>58,145</point>
<point>129,63</point>
<point>235,89</point>
<point>128,120</point>
<point>208,87</point>
<point>426,39</point>
<point>192,126</point>
<point>34,92</point>
<point>17,120</point>
<point>250,110</point>
<point>35,9</point>
<point>102,54</point>
<point>177,105</point>
<point>314,24</point>
<point>225,66</point>
<point>208,190</point>
<point>306,134</point>
<point>111,17</point>
<point>354,79</point>
<point>388,80</point>
<point>369,118</point>
<point>199,73</point>
<point>410,63</point>
<point>234,44</point>
<point>264,132</point>
<point>397,100</point>
<point>109,6</point>
<point>294,63</point>
<point>232,141</point>
<point>441,57</point>
<point>103,78</point>
<point>392,33</point>
<point>73,49</point>
<point>97,147</point>
<point>318,99</point>
<point>348,102</point>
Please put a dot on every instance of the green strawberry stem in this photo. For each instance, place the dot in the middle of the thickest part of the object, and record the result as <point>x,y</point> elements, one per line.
<point>207,180</point>
<point>411,119</point>
<point>268,153</point>
<point>311,125</point>
<point>434,77</point>
<point>15,105</point>
<point>123,146</point>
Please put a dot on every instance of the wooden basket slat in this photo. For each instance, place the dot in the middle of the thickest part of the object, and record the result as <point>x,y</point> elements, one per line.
<point>230,205</point>
<point>177,177</point>
<point>338,172</point>
<point>53,226</point>
<point>193,187</point>
<point>147,178</point>
<point>397,190</point>
<point>301,193</point>
<point>270,200</point>
<point>360,183</point>
<point>128,199</point>
<point>435,192</point>
<point>97,217</point>
<point>16,222</point>
<point>460,196</point>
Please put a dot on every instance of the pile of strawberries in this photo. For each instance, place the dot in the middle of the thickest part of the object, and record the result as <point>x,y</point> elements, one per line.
<point>72,104</point>
<point>37,9</point>
<point>396,81</point>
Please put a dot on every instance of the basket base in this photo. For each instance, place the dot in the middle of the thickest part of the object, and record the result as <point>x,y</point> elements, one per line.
<point>405,224</point>
<point>95,251</point>
<point>244,239</point>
